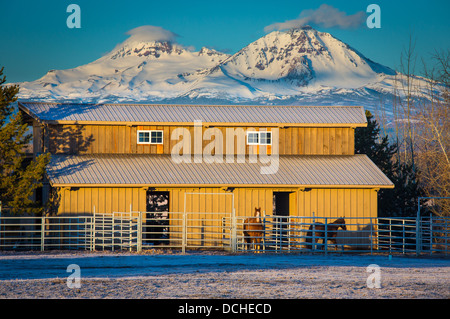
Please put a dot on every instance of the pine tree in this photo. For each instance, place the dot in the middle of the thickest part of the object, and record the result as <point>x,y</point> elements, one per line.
<point>402,200</point>
<point>18,178</point>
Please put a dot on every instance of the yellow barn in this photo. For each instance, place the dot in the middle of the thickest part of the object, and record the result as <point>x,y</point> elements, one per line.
<point>200,165</point>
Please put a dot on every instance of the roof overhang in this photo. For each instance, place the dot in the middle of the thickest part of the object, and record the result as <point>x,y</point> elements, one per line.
<point>144,170</point>
<point>212,115</point>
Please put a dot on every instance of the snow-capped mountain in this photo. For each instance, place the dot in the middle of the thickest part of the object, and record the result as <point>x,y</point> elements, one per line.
<point>301,66</point>
<point>132,71</point>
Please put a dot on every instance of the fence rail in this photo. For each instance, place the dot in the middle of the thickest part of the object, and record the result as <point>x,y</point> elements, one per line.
<point>142,230</point>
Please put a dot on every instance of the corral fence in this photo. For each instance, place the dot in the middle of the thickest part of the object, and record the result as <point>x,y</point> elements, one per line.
<point>189,230</point>
<point>116,231</point>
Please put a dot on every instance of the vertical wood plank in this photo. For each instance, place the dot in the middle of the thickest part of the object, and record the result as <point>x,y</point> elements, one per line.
<point>107,138</point>
<point>351,141</point>
<point>307,140</point>
<point>319,142</point>
<point>326,141</point>
<point>288,140</point>
<point>338,141</point>
<point>294,142</point>
<point>345,141</point>
<point>301,141</point>
<point>332,141</point>
<point>166,140</point>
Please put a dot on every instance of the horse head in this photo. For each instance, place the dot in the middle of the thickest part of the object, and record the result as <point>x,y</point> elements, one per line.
<point>258,214</point>
<point>341,222</point>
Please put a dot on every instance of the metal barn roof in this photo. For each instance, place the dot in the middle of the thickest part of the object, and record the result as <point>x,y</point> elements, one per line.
<point>65,113</point>
<point>349,171</point>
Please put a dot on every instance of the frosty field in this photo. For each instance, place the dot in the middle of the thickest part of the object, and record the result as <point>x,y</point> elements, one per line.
<point>220,275</point>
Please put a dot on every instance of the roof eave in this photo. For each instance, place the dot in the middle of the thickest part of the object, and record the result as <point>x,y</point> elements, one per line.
<point>220,185</point>
<point>239,124</point>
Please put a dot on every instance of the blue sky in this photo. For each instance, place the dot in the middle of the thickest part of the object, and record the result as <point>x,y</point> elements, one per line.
<point>35,38</point>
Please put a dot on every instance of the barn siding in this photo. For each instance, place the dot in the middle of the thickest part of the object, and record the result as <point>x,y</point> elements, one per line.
<point>318,202</point>
<point>93,139</point>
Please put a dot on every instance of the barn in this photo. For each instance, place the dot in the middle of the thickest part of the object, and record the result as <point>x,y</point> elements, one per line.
<point>203,165</point>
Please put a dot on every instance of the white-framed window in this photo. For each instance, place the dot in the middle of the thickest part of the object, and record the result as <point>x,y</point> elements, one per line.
<point>265,138</point>
<point>259,138</point>
<point>150,137</point>
<point>252,138</point>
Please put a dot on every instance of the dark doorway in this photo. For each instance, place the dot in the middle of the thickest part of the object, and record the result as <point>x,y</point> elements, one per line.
<point>155,229</point>
<point>281,209</point>
<point>281,203</point>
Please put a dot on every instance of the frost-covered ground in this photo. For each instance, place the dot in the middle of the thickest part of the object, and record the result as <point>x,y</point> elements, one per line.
<point>220,275</point>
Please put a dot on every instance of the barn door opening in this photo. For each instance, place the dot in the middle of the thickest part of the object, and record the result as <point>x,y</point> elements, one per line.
<point>155,226</point>
<point>281,212</point>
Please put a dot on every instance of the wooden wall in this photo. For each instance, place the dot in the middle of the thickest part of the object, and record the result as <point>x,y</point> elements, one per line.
<point>320,202</point>
<point>91,139</point>
<point>82,200</point>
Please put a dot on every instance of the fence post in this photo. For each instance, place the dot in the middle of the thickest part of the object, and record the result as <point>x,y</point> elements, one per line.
<point>233,229</point>
<point>93,231</point>
<point>1,223</point>
<point>325,241</point>
<point>313,240</point>
<point>418,230</point>
<point>42,233</point>
<point>371,236</point>
<point>139,232</point>
<point>112,232</point>
<point>183,235</point>
<point>403,236</point>
<point>130,224</point>
<point>431,234</point>
<point>390,236</point>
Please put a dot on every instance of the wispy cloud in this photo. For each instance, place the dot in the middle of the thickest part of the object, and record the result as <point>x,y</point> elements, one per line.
<point>325,16</point>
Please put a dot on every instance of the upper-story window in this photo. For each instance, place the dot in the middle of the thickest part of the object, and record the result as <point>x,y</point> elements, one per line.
<point>265,138</point>
<point>259,138</point>
<point>252,138</point>
<point>150,137</point>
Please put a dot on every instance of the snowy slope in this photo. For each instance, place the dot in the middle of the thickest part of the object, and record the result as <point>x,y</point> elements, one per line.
<point>284,64</point>
<point>301,66</point>
<point>132,71</point>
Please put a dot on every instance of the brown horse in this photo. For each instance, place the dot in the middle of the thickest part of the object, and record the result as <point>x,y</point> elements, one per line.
<point>317,230</point>
<point>253,230</point>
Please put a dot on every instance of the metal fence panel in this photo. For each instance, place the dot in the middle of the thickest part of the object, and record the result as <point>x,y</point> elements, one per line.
<point>190,230</point>
<point>116,231</point>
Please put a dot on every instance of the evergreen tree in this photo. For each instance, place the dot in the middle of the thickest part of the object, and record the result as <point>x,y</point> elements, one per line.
<point>18,178</point>
<point>402,200</point>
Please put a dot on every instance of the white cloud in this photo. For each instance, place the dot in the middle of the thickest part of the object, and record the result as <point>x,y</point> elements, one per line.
<point>325,16</point>
<point>149,33</point>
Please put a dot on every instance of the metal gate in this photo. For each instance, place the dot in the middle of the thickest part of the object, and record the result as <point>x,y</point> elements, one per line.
<point>209,228</point>
<point>116,231</point>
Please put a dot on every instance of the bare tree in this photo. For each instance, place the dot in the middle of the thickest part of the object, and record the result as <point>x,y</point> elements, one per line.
<point>408,103</point>
<point>433,142</point>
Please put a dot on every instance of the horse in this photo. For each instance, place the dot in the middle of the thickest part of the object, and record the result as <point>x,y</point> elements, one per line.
<point>253,230</point>
<point>317,230</point>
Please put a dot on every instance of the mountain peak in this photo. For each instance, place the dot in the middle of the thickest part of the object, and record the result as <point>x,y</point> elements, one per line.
<point>210,52</point>
<point>146,49</point>
<point>306,27</point>
<point>302,28</point>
